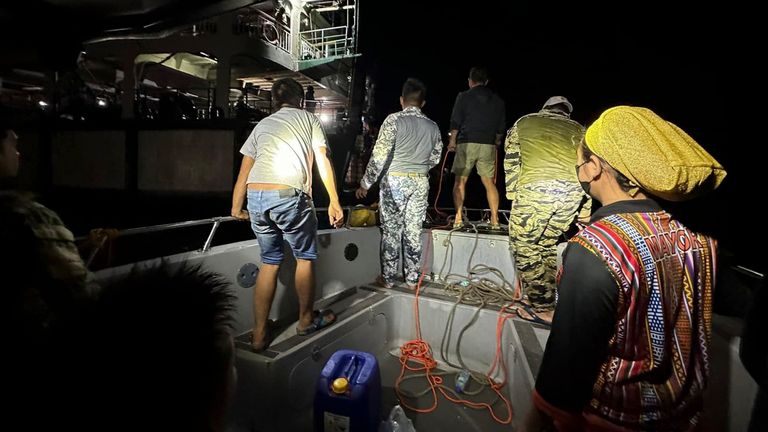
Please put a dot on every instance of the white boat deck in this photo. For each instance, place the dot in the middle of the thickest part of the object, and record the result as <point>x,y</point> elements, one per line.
<point>275,387</point>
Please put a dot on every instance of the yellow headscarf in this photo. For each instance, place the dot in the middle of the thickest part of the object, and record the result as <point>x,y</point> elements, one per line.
<point>653,153</point>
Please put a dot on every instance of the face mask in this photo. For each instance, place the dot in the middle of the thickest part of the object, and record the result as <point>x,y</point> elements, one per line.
<point>586,185</point>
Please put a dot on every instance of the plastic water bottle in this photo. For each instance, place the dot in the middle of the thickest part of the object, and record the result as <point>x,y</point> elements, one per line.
<point>461,381</point>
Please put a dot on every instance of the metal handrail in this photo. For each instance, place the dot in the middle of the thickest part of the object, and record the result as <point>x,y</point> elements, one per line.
<point>327,42</point>
<point>174,225</point>
<point>209,240</point>
<point>748,272</point>
<point>165,227</point>
<point>217,221</point>
<point>220,219</point>
<point>255,29</point>
<point>323,31</point>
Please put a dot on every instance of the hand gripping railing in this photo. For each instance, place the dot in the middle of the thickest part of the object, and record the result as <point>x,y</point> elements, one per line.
<point>216,221</point>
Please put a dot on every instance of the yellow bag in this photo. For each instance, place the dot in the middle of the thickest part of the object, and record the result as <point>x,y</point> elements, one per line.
<point>362,217</point>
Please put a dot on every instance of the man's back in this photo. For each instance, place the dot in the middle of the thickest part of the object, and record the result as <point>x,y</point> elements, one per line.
<point>548,145</point>
<point>282,148</point>
<point>478,122</point>
<point>415,136</point>
<point>478,115</point>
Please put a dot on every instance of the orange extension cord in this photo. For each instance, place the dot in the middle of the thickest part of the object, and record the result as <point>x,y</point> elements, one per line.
<point>418,351</point>
<point>440,188</point>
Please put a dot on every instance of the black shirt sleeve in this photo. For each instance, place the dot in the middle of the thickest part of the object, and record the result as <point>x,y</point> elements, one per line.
<point>502,126</point>
<point>584,322</point>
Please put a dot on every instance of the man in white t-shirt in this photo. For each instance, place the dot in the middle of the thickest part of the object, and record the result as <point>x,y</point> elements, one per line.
<point>276,173</point>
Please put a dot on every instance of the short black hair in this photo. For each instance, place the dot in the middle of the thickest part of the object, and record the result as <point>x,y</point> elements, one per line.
<point>624,183</point>
<point>287,91</point>
<point>163,329</point>
<point>478,74</point>
<point>414,91</point>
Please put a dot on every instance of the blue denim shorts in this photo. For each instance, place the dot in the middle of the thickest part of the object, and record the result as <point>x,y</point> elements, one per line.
<point>283,214</point>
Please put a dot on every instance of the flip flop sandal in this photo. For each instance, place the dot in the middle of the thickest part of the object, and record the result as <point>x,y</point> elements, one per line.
<point>322,320</point>
<point>532,315</point>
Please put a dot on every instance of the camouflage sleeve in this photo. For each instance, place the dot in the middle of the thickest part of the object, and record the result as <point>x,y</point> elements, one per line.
<point>586,210</point>
<point>437,150</point>
<point>57,247</point>
<point>511,162</point>
<point>382,152</point>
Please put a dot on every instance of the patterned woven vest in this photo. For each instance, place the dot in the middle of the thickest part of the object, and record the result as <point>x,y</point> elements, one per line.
<point>658,364</point>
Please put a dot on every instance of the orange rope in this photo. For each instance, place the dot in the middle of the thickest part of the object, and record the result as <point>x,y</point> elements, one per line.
<point>440,185</point>
<point>418,351</point>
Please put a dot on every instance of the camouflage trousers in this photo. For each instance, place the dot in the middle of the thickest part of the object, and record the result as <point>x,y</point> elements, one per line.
<point>541,213</point>
<point>403,206</point>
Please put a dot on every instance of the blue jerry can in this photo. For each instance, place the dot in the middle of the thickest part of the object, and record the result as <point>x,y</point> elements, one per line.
<point>348,395</point>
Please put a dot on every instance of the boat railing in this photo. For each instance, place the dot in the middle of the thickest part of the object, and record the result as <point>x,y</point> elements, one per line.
<point>216,222</point>
<point>327,42</point>
<point>103,239</point>
<point>260,25</point>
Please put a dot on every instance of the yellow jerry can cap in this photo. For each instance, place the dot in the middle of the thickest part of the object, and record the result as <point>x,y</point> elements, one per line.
<point>340,385</point>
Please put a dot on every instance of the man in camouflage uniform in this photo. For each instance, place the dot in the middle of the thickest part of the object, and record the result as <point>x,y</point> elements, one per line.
<point>546,196</point>
<point>407,147</point>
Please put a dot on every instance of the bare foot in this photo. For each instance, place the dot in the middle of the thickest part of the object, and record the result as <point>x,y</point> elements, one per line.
<point>259,340</point>
<point>458,223</point>
<point>320,321</point>
<point>546,316</point>
<point>306,321</point>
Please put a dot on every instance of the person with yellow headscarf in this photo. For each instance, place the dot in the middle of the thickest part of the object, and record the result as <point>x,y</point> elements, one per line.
<point>630,338</point>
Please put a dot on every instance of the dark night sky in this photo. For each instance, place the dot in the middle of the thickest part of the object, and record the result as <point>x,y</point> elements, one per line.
<point>638,53</point>
<point>537,49</point>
